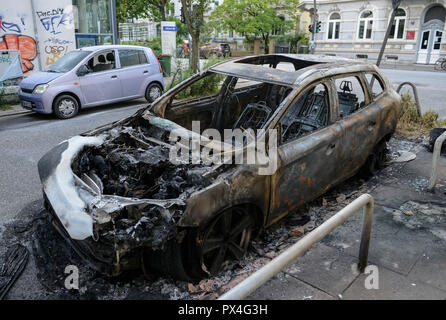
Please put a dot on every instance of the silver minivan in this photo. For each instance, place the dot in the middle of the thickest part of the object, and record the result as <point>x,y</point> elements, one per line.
<point>93,76</point>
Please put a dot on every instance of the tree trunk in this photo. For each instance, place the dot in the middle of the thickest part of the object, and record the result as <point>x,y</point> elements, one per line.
<point>195,53</point>
<point>266,40</point>
<point>163,13</point>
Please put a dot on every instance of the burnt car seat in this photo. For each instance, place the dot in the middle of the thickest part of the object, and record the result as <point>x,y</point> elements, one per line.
<point>313,114</point>
<point>348,102</point>
<point>254,116</point>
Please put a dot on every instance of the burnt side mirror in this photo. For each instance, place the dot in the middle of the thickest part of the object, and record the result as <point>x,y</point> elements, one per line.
<point>82,71</point>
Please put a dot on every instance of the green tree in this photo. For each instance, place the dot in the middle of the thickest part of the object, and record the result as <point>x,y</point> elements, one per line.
<point>134,9</point>
<point>256,19</point>
<point>193,14</point>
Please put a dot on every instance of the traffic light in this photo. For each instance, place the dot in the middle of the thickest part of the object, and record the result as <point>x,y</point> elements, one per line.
<point>310,28</point>
<point>318,28</point>
<point>183,19</point>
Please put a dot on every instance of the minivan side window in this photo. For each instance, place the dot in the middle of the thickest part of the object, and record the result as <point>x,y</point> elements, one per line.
<point>129,57</point>
<point>351,95</point>
<point>309,112</point>
<point>375,84</point>
<point>102,61</point>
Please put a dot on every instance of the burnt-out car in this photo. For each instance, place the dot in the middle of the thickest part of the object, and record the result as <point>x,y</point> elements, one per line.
<point>122,202</point>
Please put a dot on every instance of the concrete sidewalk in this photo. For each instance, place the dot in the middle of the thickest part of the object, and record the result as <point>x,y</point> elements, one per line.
<point>13,110</point>
<point>408,245</point>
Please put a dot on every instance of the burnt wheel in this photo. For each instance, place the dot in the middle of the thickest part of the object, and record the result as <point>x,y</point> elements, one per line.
<point>225,238</point>
<point>376,160</point>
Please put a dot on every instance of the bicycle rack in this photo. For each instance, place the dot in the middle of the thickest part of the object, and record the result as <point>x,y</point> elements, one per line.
<point>268,271</point>
<point>415,94</point>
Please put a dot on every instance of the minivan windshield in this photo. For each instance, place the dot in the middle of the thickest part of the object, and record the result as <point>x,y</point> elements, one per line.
<point>68,61</point>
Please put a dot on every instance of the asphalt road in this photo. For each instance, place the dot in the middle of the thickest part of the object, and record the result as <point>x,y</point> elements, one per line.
<point>25,138</point>
<point>431,87</point>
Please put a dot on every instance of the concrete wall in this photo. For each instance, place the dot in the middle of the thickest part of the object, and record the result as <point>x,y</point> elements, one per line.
<point>42,30</point>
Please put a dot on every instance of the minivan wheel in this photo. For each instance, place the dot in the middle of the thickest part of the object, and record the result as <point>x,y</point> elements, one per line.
<point>65,107</point>
<point>153,92</point>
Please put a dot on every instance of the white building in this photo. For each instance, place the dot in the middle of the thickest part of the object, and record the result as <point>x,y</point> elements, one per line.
<point>356,29</point>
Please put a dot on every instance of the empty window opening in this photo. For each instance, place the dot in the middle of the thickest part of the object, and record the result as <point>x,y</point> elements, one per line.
<point>351,95</point>
<point>309,112</point>
<point>102,61</point>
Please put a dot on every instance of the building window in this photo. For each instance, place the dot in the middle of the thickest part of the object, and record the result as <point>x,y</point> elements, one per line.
<point>397,31</point>
<point>365,25</point>
<point>334,25</point>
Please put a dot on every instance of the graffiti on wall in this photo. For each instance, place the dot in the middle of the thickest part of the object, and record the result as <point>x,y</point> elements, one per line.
<point>55,48</point>
<point>13,39</point>
<point>25,44</point>
<point>53,20</point>
<point>6,26</point>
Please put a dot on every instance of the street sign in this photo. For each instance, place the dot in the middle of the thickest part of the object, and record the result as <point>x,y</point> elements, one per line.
<point>170,28</point>
<point>168,37</point>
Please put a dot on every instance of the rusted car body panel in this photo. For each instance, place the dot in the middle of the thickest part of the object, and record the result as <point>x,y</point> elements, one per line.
<point>307,166</point>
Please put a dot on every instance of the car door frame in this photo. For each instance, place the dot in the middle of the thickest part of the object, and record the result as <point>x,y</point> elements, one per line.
<point>105,72</point>
<point>359,129</point>
<point>147,74</point>
<point>290,152</point>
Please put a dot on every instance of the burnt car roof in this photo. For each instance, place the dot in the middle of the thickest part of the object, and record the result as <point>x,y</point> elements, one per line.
<point>253,68</point>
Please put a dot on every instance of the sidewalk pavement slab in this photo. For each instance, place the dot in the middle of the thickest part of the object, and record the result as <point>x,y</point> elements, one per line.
<point>390,245</point>
<point>325,268</point>
<point>407,246</point>
<point>431,267</point>
<point>13,110</point>
<point>286,287</point>
<point>392,286</point>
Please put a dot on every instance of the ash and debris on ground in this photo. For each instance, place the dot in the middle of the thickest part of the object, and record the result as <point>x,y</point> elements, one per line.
<point>52,254</point>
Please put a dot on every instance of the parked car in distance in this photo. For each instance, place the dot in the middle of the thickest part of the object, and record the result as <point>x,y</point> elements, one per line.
<point>93,76</point>
<point>215,49</point>
<point>120,201</point>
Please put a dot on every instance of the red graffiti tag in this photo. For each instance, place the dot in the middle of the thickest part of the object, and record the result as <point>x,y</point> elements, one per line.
<point>25,44</point>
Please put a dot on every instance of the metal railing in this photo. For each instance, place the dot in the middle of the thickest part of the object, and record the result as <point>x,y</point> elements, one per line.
<point>262,275</point>
<point>435,159</point>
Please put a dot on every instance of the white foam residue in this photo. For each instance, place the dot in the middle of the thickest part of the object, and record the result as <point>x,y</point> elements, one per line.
<point>62,194</point>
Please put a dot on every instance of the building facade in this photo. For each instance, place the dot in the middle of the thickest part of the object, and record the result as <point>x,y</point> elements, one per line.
<point>356,29</point>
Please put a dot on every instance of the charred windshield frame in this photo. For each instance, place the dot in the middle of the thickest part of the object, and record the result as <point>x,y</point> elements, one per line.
<point>268,101</point>
<point>68,61</point>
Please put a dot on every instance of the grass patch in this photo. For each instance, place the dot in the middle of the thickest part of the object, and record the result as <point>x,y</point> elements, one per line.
<point>411,124</point>
<point>5,106</point>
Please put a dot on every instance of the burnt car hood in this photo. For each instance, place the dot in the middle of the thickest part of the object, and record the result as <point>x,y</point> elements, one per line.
<point>78,199</point>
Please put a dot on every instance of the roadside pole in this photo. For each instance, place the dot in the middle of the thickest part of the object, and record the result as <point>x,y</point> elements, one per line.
<point>313,34</point>
<point>395,5</point>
